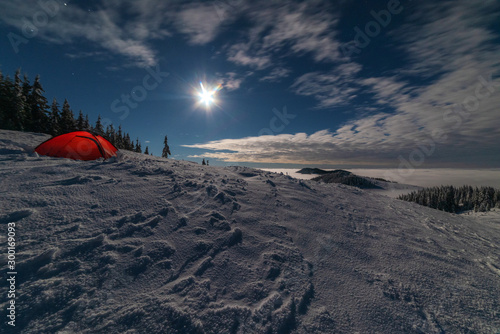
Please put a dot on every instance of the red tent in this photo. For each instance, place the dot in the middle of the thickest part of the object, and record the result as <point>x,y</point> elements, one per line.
<point>78,145</point>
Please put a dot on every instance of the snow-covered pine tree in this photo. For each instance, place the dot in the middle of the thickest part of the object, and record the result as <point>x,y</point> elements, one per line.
<point>86,123</point>
<point>5,99</point>
<point>137,148</point>
<point>2,99</point>
<point>127,143</point>
<point>452,199</point>
<point>98,128</point>
<point>18,116</point>
<point>27,117</point>
<point>80,122</point>
<point>54,119</point>
<point>111,134</point>
<point>26,85</point>
<point>166,148</point>
<point>119,138</point>
<point>38,106</point>
<point>67,118</point>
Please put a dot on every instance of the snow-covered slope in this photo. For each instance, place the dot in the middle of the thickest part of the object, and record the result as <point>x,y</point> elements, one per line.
<point>149,245</point>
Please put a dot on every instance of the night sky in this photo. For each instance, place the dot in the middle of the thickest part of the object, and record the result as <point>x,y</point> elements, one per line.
<point>323,83</point>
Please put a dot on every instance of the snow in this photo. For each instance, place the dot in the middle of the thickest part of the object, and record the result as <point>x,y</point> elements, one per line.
<point>143,244</point>
<point>420,177</point>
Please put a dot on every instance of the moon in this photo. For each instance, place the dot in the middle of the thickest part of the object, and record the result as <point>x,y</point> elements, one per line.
<point>207,96</point>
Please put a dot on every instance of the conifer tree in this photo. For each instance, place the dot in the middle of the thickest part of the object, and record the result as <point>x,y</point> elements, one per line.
<point>99,129</point>
<point>4,99</point>
<point>203,162</point>
<point>166,148</point>
<point>26,116</point>
<point>38,106</point>
<point>119,138</point>
<point>54,119</point>
<point>28,121</point>
<point>17,113</point>
<point>80,122</point>
<point>67,118</point>
<point>128,145</point>
<point>146,151</point>
<point>26,86</point>
<point>86,123</point>
<point>108,133</point>
<point>111,134</point>
<point>138,147</point>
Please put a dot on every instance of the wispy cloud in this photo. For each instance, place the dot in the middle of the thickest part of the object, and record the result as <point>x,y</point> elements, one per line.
<point>85,54</point>
<point>336,87</point>
<point>232,80</point>
<point>322,147</point>
<point>447,35</point>
<point>276,74</point>
<point>453,44</point>
<point>291,27</point>
<point>103,26</point>
<point>240,54</point>
<point>200,21</point>
<point>308,28</point>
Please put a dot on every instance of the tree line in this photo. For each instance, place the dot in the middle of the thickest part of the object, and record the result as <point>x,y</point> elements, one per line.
<point>456,199</point>
<point>23,107</point>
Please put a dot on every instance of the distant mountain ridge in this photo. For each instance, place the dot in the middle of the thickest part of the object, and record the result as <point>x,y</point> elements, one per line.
<point>340,176</point>
<point>313,171</point>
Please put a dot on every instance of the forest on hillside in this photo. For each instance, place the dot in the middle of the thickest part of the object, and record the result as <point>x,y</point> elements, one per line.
<point>456,199</point>
<point>23,107</point>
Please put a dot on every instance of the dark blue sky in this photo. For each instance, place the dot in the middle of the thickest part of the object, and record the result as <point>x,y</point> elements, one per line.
<point>357,83</point>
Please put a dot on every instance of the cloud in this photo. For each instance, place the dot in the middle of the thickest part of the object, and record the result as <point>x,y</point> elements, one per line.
<point>336,87</point>
<point>455,47</point>
<point>239,54</point>
<point>231,80</point>
<point>450,35</point>
<point>276,74</point>
<point>386,89</point>
<point>200,21</point>
<point>307,29</point>
<point>85,54</point>
<point>290,27</point>
<point>321,147</point>
<point>103,26</point>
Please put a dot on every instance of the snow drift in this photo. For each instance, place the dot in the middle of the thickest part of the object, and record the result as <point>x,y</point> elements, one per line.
<point>149,245</point>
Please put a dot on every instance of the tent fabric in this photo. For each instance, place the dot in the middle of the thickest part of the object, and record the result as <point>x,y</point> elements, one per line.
<point>78,145</point>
